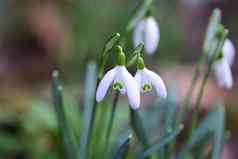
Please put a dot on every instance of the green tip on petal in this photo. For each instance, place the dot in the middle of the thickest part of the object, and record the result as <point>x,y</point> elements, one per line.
<point>121,58</point>
<point>117,86</point>
<point>147,88</point>
<point>220,56</point>
<point>140,63</point>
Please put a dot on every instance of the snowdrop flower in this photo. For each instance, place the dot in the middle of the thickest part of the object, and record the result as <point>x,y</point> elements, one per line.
<point>122,81</point>
<point>147,79</point>
<point>222,67</point>
<point>147,31</point>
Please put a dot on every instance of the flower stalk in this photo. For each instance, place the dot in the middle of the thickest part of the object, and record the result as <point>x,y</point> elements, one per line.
<point>221,38</point>
<point>210,36</point>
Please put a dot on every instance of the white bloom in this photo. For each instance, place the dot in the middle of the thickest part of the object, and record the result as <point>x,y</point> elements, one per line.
<point>122,81</point>
<point>222,67</point>
<point>147,31</point>
<point>229,51</point>
<point>223,74</point>
<point>147,79</point>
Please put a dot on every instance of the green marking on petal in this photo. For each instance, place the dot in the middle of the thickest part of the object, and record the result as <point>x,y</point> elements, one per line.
<point>118,86</point>
<point>147,87</point>
<point>220,56</point>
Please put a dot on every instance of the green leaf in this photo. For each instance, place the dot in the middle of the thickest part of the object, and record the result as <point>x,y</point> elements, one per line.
<point>213,24</point>
<point>10,143</point>
<point>139,13</point>
<point>123,149</point>
<point>138,128</point>
<point>170,118</point>
<point>213,124</point>
<point>170,109</point>
<point>66,135</point>
<point>167,138</point>
<point>111,42</point>
<point>90,86</point>
<point>136,52</point>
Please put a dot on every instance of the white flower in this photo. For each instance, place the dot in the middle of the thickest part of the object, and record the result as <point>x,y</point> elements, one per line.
<point>222,67</point>
<point>147,79</point>
<point>147,31</point>
<point>122,81</point>
<point>229,51</point>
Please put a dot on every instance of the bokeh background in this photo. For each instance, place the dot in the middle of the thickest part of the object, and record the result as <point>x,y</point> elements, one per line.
<point>37,37</point>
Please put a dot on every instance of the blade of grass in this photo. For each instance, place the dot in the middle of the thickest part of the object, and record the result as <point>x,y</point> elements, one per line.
<point>138,128</point>
<point>90,86</point>
<point>110,43</point>
<point>213,124</point>
<point>166,139</point>
<point>169,120</point>
<point>213,24</point>
<point>136,52</point>
<point>66,135</point>
<point>122,151</point>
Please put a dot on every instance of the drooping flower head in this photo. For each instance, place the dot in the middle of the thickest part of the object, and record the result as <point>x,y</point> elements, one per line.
<point>147,31</point>
<point>121,80</point>
<point>222,67</point>
<point>147,79</point>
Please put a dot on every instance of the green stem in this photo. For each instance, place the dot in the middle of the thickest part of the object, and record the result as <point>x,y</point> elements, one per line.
<point>138,128</point>
<point>111,120</point>
<point>197,108</point>
<point>217,50</point>
<point>189,93</point>
<point>104,56</point>
<point>137,125</point>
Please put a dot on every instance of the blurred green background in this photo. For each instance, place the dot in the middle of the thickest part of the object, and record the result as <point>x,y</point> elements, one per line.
<point>37,37</point>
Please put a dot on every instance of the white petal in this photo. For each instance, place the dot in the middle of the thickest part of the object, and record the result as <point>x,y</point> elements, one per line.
<point>229,51</point>
<point>147,31</point>
<point>132,90</point>
<point>157,82</point>
<point>223,74</point>
<point>151,35</point>
<point>105,83</point>
<point>138,78</point>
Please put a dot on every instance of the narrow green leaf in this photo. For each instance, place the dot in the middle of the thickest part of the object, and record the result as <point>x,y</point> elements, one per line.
<point>170,109</point>
<point>66,135</point>
<point>213,124</point>
<point>122,151</point>
<point>167,138</point>
<point>138,128</point>
<point>136,52</point>
<point>213,24</point>
<point>90,86</point>
<point>170,117</point>
<point>139,13</point>
<point>111,42</point>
